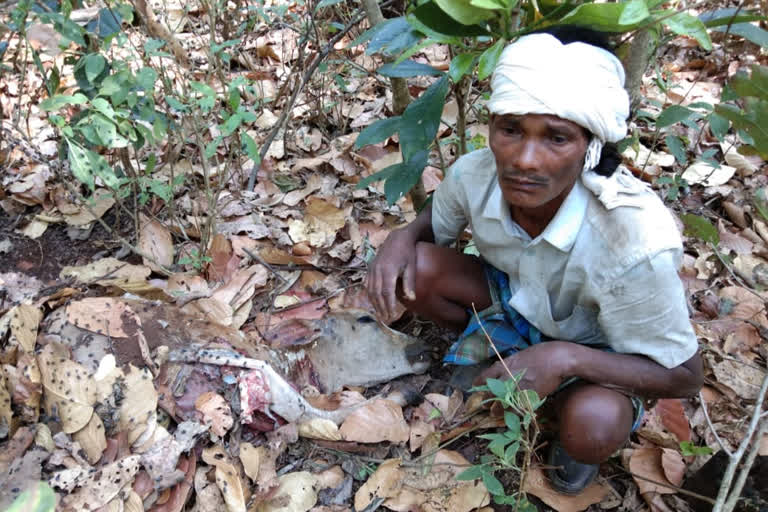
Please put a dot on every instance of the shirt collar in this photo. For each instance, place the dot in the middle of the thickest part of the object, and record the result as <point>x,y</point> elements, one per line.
<point>562,230</point>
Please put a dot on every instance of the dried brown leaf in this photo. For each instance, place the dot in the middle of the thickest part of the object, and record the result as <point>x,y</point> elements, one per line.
<point>296,492</point>
<point>139,402</point>
<point>216,412</point>
<point>380,420</point>
<point>646,463</point>
<point>70,391</point>
<point>99,204</point>
<point>384,483</point>
<point>92,439</point>
<point>107,272</point>
<point>25,320</point>
<point>320,428</point>
<point>99,488</point>
<point>104,315</point>
<point>536,483</point>
<point>673,465</point>
<point>155,241</point>
<point>673,417</point>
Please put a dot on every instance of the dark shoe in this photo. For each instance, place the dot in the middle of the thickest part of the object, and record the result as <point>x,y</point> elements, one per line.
<point>567,475</point>
<point>463,376</point>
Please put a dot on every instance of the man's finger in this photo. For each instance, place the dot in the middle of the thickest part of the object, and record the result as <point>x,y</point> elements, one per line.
<point>409,282</point>
<point>374,291</point>
<point>390,283</point>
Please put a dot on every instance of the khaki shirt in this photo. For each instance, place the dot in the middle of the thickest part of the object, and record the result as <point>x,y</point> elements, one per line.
<point>594,276</point>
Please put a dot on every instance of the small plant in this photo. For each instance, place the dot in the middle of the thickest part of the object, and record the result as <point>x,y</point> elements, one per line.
<point>687,448</point>
<point>519,437</point>
<point>194,258</point>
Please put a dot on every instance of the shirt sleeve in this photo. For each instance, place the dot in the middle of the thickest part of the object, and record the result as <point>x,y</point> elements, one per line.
<point>645,312</point>
<point>449,214</point>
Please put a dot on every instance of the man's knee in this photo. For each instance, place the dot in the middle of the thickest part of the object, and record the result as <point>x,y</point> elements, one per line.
<point>594,422</point>
<point>427,269</point>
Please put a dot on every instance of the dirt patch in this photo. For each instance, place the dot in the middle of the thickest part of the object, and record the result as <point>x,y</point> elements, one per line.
<point>45,257</point>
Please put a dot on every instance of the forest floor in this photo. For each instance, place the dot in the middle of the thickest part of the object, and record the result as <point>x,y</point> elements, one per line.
<point>110,394</point>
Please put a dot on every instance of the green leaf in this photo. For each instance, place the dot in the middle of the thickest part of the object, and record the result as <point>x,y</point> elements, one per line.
<point>327,3</point>
<point>405,177</point>
<point>85,164</point>
<point>511,452</point>
<point>701,228</point>
<point>512,421</point>
<point>392,36</point>
<point>730,16</point>
<point>381,175</point>
<point>37,498</point>
<point>603,17</point>
<point>471,473</point>
<point>146,78</point>
<point>407,69</point>
<point>497,446</point>
<point>434,414</point>
<point>379,131</point>
<point>460,65</point>
<point>106,24</point>
<point>677,148</point>
<point>101,105</point>
<point>688,449</point>
<point>686,25</point>
<point>755,84</point>
<point>673,114</point>
<point>212,147</point>
<point>421,119</point>
<point>58,101</point>
<point>492,484</point>
<point>491,5</point>
<point>497,387</point>
<point>175,104</point>
<point>433,17</point>
<point>94,65</point>
<point>464,12</point>
<point>719,125</point>
<point>160,189</point>
<point>489,58</point>
<point>250,147</point>
<point>634,11</point>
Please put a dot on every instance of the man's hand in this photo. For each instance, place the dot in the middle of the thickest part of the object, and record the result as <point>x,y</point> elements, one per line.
<point>395,260</point>
<point>545,366</point>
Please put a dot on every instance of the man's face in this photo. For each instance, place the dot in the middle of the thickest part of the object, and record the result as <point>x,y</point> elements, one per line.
<point>538,158</point>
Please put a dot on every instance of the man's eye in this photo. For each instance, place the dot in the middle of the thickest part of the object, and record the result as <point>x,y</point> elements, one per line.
<point>511,130</point>
<point>558,138</point>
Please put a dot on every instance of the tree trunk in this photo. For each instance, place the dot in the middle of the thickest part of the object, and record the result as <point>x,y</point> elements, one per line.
<point>639,54</point>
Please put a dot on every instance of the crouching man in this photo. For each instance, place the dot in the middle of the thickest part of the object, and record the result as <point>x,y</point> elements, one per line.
<point>577,277</point>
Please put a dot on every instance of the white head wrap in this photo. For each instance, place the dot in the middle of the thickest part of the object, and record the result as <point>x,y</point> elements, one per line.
<point>537,74</point>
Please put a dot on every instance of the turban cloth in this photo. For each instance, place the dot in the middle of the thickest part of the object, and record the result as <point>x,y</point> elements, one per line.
<point>537,74</point>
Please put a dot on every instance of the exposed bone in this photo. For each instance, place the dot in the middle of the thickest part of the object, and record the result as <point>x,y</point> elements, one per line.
<point>284,400</point>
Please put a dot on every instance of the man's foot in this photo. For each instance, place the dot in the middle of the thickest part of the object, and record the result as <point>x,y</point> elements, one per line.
<point>567,475</point>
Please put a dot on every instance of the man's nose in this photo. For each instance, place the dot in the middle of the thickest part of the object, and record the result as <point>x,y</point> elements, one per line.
<point>527,158</point>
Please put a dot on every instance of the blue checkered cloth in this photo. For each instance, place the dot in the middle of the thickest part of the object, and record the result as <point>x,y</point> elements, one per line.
<point>510,333</point>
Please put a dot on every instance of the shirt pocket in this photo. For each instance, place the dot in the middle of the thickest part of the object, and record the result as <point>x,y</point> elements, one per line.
<point>580,326</point>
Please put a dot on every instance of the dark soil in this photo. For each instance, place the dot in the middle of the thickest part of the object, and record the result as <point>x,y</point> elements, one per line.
<point>45,257</point>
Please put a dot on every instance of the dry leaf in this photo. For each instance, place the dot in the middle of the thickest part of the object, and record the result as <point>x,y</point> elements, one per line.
<point>227,478</point>
<point>251,458</point>
<point>155,241</point>
<point>646,463</point>
<point>384,483</point>
<point>673,417</point>
<point>35,229</point>
<point>380,420</point>
<point>24,322</point>
<point>207,495</point>
<point>99,488</point>
<point>6,413</point>
<point>704,174</point>
<point>212,310</point>
<point>320,428</point>
<point>296,492</point>
<point>92,439</point>
<point>104,315</point>
<point>107,272</point>
<point>419,432</point>
<point>744,379</point>
<point>331,478</point>
<point>216,412</point>
<point>70,391</point>
<point>537,483</point>
<point>139,402</point>
<point>673,465</point>
<point>101,201</point>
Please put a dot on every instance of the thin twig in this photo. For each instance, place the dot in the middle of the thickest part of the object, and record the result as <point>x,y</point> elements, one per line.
<point>668,485</point>
<point>712,427</point>
<point>725,487</point>
<point>748,463</point>
<point>299,87</point>
<point>259,259</point>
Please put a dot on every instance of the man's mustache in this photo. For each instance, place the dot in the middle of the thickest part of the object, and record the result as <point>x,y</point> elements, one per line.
<point>523,176</point>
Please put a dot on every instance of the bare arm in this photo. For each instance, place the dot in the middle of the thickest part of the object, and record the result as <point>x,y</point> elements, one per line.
<point>396,260</point>
<point>548,364</point>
